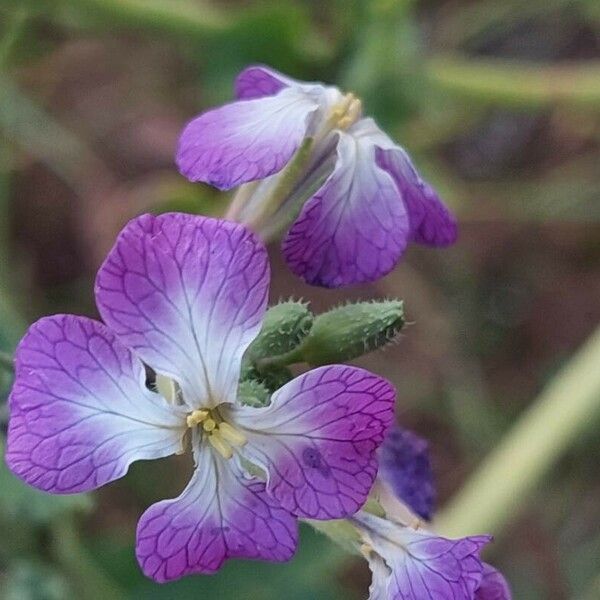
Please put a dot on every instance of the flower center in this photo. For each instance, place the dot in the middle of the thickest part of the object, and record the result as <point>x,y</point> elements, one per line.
<point>346,112</point>
<point>221,435</point>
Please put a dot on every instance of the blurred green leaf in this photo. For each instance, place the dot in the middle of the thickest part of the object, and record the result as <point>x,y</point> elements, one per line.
<point>32,580</point>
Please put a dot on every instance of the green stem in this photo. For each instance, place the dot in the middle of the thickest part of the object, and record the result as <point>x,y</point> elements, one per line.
<point>517,84</point>
<point>181,18</point>
<point>510,474</point>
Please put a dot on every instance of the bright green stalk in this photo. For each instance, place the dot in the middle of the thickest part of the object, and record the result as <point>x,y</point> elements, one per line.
<point>516,83</point>
<point>507,477</point>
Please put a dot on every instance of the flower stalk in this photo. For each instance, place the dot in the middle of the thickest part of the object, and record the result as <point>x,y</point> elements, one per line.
<point>512,472</point>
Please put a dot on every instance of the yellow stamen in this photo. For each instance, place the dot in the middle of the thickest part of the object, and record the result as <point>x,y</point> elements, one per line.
<point>366,550</point>
<point>220,445</point>
<point>232,435</point>
<point>196,417</point>
<point>346,112</point>
<point>209,425</point>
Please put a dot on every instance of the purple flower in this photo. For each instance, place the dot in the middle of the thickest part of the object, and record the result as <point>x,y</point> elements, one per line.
<point>409,564</point>
<point>185,296</point>
<point>357,196</point>
<point>404,465</point>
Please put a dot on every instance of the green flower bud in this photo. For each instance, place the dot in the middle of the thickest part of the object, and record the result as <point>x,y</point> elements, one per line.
<point>284,327</point>
<point>271,377</point>
<point>352,330</point>
<point>253,393</point>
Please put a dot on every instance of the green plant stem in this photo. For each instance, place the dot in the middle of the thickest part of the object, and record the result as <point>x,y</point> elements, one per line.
<point>179,17</point>
<point>517,83</point>
<point>507,477</point>
<point>88,580</point>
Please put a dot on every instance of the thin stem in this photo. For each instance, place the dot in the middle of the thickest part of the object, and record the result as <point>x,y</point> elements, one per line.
<point>507,477</point>
<point>518,84</point>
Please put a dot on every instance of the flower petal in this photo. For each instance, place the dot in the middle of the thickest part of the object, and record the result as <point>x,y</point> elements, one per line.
<point>431,222</point>
<point>404,465</point>
<point>188,294</point>
<point>436,567</point>
<point>423,565</point>
<point>80,412</point>
<point>245,140</point>
<point>258,81</point>
<point>493,585</point>
<point>317,439</point>
<point>380,574</point>
<point>219,515</point>
<point>355,228</point>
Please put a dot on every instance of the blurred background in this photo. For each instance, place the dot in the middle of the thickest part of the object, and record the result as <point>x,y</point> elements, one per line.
<point>499,105</point>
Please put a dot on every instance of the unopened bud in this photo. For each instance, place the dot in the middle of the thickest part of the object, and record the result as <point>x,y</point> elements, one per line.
<point>253,393</point>
<point>349,331</point>
<point>285,325</point>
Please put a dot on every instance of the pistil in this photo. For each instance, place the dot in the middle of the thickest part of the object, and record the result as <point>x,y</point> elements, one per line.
<point>221,436</point>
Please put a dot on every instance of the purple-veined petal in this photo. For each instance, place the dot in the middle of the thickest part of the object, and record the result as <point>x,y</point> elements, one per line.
<point>318,438</point>
<point>423,565</point>
<point>257,81</point>
<point>188,294</point>
<point>493,585</point>
<point>380,574</point>
<point>431,222</point>
<point>219,515</point>
<point>80,412</point>
<point>355,228</point>
<point>245,140</point>
<point>404,465</point>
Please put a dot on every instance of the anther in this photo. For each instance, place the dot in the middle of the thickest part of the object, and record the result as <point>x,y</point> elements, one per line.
<point>366,550</point>
<point>196,417</point>
<point>220,445</point>
<point>209,424</point>
<point>232,435</point>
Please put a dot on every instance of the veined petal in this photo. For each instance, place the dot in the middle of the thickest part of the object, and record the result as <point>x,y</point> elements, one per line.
<point>380,574</point>
<point>188,294</point>
<point>317,439</point>
<point>257,81</point>
<point>219,515</point>
<point>80,412</point>
<point>493,585</point>
<point>355,227</point>
<point>423,565</point>
<point>404,465</point>
<point>431,222</point>
<point>245,140</point>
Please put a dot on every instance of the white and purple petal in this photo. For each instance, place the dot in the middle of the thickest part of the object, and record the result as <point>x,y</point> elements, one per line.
<point>80,411</point>
<point>356,227</point>
<point>317,440</point>
<point>404,465</point>
<point>257,81</point>
<point>431,222</point>
<point>423,565</point>
<point>188,294</point>
<point>493,585</point>
<point>245,140</point>
<point>220,515</point>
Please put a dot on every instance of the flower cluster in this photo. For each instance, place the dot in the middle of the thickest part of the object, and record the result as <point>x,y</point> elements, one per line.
<point>352,195</point>
<point>187,358</point>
